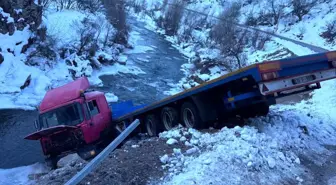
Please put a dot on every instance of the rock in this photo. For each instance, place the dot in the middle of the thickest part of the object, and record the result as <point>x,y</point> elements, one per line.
<point>1,58</point>
<point>69,160</point>
<point>177,151</point>
<point>122,62</point>
<point>183,139</point>
<point>192,150</point>
<point>171,141</point>
<point>164,159</point>
<point>271,162</point>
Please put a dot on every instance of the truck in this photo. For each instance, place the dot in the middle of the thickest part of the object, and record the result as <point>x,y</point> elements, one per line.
<point>73,118</point>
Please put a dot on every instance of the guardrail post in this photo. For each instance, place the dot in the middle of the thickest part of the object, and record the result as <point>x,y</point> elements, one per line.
<point>99,158</point>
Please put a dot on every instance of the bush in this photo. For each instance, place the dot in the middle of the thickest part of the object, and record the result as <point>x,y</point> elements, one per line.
<point>86,29</point>
<point>329,33</point>
<point>302,7</point>
<point>90,5</point>
<point>251,20</point>
<point>269,16</point>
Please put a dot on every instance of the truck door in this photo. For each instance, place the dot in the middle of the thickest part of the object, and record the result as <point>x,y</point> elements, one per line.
<point>94,121</point>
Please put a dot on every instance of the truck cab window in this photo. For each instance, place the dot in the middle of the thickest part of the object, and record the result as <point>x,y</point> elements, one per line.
<point>93,108</point>
<point>67,115</point>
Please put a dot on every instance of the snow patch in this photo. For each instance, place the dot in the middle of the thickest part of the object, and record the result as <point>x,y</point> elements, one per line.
<point>171,141</point>
<point>110,97</point>
<point>20,175</point>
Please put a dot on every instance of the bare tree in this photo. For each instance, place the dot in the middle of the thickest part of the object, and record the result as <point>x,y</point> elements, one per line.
<point>90,5</point>
<point>269,16</point>
<point>172,18</point>
<point>87,29</point>
<point>231,39</point>
<point>276,9</point>
<point>44,3</point>
<point>116,14</point>
<point>302,7</point>
<point>65,4</point>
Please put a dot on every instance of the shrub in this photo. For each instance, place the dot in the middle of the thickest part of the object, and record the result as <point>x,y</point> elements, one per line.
<point>329,33</point>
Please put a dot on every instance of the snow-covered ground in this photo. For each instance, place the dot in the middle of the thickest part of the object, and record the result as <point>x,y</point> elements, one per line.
<point>20,175</point>
<point>61,28</point>
<point>269,150</point>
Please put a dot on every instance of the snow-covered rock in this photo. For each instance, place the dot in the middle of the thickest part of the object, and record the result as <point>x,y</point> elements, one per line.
<point>164,159</point>
<point>110,97</point>
<point>171,141</point>
<point>70,159</point>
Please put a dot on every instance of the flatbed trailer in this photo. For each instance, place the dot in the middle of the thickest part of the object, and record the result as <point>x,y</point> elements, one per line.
<point>255,86</point>
<point>73,119</point>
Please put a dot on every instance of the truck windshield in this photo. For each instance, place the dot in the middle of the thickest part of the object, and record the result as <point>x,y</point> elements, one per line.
<point>71,115</point>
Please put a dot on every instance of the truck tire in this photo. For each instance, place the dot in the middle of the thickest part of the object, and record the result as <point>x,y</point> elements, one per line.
<point>263,109</point>
<point>152,124</point>
<point>190,116</point>
<point>169,118</point>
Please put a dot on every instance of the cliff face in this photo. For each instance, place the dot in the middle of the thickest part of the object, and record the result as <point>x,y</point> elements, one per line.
<point>17,14</point>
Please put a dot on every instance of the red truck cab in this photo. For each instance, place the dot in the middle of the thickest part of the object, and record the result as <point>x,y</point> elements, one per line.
<point>71,119</point>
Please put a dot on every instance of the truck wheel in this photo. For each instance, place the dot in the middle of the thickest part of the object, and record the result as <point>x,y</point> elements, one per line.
<point>190,116</point>
<point>152,125</point>
<point>263,109</point>
<point>169,117</point>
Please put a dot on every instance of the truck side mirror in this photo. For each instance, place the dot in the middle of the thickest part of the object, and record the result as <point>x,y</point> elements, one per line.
<point>36,125</point>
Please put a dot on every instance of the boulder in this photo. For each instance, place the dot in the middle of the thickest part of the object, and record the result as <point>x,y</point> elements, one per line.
<point>70,160</point>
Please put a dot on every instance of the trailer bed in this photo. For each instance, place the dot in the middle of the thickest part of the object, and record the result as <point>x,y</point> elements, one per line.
<point>284,68</point>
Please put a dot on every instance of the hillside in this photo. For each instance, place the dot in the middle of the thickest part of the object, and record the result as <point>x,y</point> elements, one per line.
<point>207,32</point>
<point>44,46</point>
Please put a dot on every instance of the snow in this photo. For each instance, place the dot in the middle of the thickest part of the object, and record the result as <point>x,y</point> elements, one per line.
<point>112,70</point>
<point>14,72</point>
<point>171,141</point>
<point>19,176</point>
<point>18,11</point>
<point>61,27</point>
<point>110,97</point>
<point>134,40</point>
<point>265,151</point>
<point>6,15</point>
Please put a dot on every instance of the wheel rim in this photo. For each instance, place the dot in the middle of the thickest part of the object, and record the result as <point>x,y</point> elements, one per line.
<point>167,120</point>
<point>188,118</point>
<point>149,127</point>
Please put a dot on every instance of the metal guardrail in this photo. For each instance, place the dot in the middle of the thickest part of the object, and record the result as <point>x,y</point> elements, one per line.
<point>92,165</point>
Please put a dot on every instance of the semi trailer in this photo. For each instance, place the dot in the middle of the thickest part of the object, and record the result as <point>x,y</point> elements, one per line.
<point>73,118</point>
